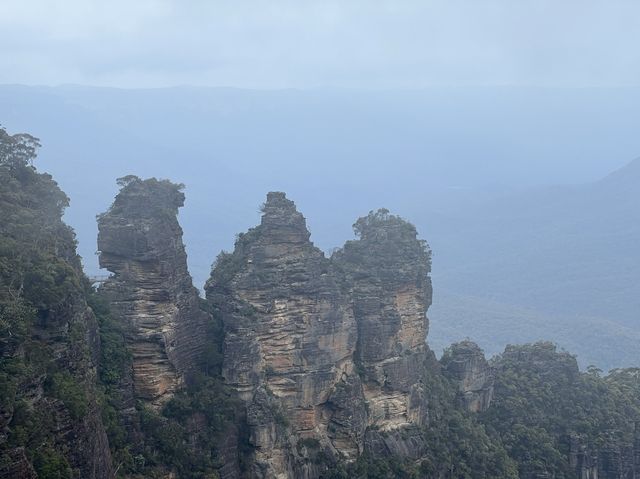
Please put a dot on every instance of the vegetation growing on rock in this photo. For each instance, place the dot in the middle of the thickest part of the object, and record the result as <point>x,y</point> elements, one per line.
<point>296,364</point>
<point>50,424</point>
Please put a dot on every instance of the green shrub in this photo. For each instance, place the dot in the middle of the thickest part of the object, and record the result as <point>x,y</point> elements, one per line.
<point>51,464</point>
<point>64,387</point>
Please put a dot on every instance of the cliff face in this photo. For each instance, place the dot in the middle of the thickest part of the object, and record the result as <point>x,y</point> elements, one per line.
<point>50,421</point>
<point>322,349</point>
<point>290,336</point>
<point>464,363</point>
<point>327,356</point>
<point>140,242</point>
<point>386,272</point>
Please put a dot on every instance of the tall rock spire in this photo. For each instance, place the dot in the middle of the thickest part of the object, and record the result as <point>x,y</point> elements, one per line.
<point>321,349</point>
<point>290,336</point>
<point>387,273</point>
<point>140,242</point>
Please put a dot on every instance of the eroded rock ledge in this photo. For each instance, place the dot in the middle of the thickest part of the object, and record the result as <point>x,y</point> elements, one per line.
<point>140,242</point>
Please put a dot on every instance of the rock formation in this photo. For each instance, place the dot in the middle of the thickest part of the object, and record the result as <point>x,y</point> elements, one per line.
<point>387,274</point>
<point>290,336</point>
<point>322,349</point>
<point>307,367</point>
<point>465,364</point>
<point>140,242</point>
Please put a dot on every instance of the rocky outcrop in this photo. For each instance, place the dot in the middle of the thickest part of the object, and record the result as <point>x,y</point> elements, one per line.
<point>289,341</point>
<point>140,242</point>
<point>327,354</point>
<point>612,460</point>
<point>386,272</point>
<point>464,363</point>
<point>50,418</point>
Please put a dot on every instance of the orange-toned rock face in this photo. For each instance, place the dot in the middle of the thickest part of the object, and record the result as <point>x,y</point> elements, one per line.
<point>387,270</point>
<point>140,241</point>
<point>290,334</point>
<point>320,348</point>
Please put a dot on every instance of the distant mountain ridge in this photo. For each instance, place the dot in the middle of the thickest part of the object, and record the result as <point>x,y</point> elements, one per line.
<point>455,162</point>
<point>568,256</point>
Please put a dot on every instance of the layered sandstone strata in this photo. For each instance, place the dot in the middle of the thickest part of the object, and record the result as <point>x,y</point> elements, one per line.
<point>386,272</point>
<point>465,364</point>
<point>140,242</point>
<point>322,349</point>
<point>289,341</point>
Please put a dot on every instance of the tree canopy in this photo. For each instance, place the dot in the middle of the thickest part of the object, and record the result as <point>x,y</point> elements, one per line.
<point>17,150</point>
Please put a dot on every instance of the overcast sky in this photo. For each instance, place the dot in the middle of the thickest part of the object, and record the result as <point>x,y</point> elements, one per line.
<point>342,43</point>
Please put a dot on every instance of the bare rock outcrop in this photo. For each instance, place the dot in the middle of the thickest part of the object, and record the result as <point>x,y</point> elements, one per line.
<point>386,272</point>
<point>328,354</point>
<point>140,242</point>
<point>290,336</point>
<point>465,364</point>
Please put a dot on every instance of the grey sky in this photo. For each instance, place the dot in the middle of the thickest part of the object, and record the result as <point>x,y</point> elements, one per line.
<point>347,43</point>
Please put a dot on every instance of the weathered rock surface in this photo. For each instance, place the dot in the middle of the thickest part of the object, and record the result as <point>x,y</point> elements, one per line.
<point>612,460</point>
<point>322,349</point>
<point>140,242</point>
<point>386,272</point>
<point>465,364</point>
<point>74,430</point>
<point>290,336</point>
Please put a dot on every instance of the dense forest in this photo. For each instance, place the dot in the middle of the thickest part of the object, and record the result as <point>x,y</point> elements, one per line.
<point>77,399</point>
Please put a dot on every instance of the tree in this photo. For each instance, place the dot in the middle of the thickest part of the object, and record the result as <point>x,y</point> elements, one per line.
<point>17,150</point>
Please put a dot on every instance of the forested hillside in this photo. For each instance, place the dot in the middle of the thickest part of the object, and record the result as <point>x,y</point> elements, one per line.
<point>50,421</point>
<point>308,365</point>
<point>558,263</point>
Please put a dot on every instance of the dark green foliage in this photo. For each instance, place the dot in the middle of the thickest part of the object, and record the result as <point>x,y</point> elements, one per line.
<point>64,387</point>
<point>41,285</point>
<point>17,151</point>
<point>381,222</point>
<point>309,443</point>
<point>213,354</point>
<point>388,245</point>
<point>185,436</point>
<point>460,446</point>
<point>114,355</point>
<point>369,467</point>
<point>137,197</point>
<point>386,232</point>
<point>457,444</point>
<point>113,367</point>
<point>542,401</point>
<point>51,464</point>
